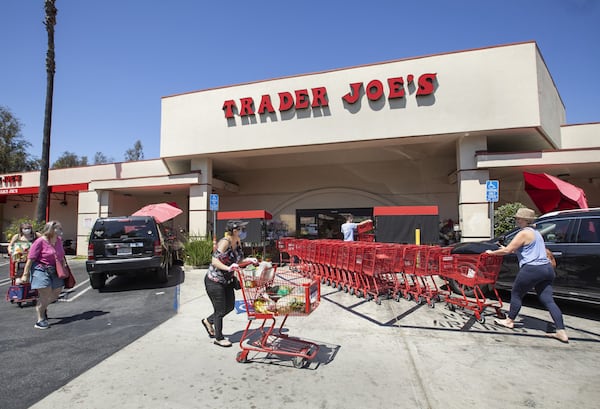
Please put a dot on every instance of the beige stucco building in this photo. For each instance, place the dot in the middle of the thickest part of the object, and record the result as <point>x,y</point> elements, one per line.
<point>421,131</point>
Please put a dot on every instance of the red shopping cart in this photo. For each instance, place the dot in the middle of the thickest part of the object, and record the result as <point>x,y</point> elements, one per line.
<point>475,271</point>
<point>273,293</point>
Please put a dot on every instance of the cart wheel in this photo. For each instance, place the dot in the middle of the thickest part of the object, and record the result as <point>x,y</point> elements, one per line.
<point>339,287</point>
<point>351,291</point>
<point>346,289</point>
<point>359,293</point>
<point>242,357</point>
<point>398,297</point>
<point>431,303</point>
<point>408,296</point>
<point>378,301</point>
<point>420,300</point>
<point>299,362</point>
<point>451,307</point>
<point>480,319</point>
<point>20,304</point>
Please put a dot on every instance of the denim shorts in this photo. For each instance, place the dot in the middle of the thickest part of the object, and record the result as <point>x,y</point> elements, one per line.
<point>43,276</point>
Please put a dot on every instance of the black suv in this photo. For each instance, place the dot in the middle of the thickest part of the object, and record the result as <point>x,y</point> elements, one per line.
<point>120,245</point>
<point>573,236</point>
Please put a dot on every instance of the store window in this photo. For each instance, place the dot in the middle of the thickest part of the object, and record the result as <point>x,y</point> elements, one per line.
<point>326,223</point>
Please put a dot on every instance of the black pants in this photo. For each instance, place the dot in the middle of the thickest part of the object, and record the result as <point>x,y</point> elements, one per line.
<point>222,298</point>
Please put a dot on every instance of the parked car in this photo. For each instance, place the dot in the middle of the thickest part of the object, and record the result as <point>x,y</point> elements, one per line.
<point>573,236</point>
<point>126,244</point>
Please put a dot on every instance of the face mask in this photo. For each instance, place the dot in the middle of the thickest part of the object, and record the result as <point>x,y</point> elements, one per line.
<point>26,231</point>
<point>242,235</point>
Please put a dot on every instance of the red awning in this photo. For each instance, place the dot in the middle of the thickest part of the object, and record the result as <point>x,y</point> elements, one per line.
<point>550,193</point>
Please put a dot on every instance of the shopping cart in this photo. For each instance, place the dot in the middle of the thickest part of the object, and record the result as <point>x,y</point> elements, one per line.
<point>271,293</point>
<point>424,264</point>
<point>475,271</point>
<point>21,293</point>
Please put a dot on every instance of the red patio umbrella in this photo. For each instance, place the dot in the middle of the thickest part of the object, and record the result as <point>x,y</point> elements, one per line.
<point>160,211</point>
<point>550,193</point>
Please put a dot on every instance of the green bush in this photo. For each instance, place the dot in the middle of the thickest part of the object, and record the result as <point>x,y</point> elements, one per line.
<point>198,250</point>
<point>504,218</point>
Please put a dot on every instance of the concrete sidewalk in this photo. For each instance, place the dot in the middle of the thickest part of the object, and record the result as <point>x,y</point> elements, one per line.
<point>396,354</point>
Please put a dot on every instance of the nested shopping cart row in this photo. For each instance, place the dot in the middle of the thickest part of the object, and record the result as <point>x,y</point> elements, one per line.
<point>400,271</point>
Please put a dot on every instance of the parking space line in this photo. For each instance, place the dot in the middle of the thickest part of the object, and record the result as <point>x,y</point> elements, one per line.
<point>67,293</point>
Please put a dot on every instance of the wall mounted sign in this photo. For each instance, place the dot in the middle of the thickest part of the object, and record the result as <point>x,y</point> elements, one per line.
<point>375,89</point>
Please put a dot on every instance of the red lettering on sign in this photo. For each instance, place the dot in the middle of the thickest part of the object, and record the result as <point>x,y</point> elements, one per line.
<point>426,84</point>
<point>228,106</point>
<point>302,100</point>
<point>246,106</point>
<point>374,90</point>
<point>354,94</point>
<point>396,87</point>
<point>319,97</point>
<point>286,101</point>
<point>265,104</point>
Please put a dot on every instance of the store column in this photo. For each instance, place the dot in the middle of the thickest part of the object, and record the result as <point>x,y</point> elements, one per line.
<point>472,208</point>
<point>200,214</point>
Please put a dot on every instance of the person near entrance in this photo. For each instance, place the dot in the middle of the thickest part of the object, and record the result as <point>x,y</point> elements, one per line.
<point>220,279</point>
<point>349,227</point>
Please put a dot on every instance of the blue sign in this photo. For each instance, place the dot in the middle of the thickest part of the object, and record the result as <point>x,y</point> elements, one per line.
<point>214,202</point>
<point>492,188</point>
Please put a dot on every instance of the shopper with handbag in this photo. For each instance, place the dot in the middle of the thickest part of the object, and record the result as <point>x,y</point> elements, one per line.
<point>220,279</point>
<point>42,259</point>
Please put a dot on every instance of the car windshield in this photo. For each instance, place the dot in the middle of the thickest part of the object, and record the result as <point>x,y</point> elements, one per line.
<point>126,228</point>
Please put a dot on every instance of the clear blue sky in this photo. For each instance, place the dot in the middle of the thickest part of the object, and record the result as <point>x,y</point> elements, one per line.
<point>115,59</point>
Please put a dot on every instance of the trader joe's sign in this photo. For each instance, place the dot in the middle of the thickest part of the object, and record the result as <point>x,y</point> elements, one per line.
<point>374,90</point>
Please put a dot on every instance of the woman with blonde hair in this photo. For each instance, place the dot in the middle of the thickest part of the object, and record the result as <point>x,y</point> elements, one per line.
<point>43,256</point>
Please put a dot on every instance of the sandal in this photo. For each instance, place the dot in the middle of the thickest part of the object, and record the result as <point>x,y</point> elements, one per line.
<point>223,343</point>
<point>503,323</point>
<point>564,340</point>
<point>209,328</point>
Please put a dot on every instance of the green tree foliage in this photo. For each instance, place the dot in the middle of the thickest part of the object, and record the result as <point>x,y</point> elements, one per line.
<point>100,158</point>
<point>504,217</point>
<point>69,160</point>
<point>13,146</point>
<point>135,153</point>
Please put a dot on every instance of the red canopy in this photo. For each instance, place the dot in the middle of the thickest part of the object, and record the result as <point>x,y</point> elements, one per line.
<point>160,211</point>
<point>550,193</point>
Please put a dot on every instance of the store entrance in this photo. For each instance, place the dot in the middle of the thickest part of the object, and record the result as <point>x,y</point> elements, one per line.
<point>326,223</point>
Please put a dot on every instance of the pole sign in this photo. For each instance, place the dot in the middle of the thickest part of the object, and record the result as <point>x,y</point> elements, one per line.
<point>492,188</point>
<point>214,202</point>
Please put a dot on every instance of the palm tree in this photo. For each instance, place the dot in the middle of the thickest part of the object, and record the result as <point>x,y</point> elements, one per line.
<point>49,22</point>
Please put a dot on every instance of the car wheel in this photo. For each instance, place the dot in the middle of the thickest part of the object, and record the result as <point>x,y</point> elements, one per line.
<point>459,288</point>
<point>97,281</point>
<point>162,274</point>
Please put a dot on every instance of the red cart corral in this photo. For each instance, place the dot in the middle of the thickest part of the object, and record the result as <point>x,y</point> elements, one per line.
<point>273,293</point>
<point>473,270</point>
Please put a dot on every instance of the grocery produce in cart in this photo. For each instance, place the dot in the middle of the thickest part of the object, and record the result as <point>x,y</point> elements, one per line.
<point>269,293</point>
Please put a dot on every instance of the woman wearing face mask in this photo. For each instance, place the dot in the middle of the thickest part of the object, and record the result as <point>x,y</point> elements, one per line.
<point>41,266</point>
<point>219,280</point>
<point>21,242</point>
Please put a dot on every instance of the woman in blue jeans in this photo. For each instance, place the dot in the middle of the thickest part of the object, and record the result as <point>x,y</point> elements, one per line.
<point>219,279</point>
<point>535,272</point>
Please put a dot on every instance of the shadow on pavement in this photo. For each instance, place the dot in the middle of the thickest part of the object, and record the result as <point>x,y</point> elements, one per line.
<point>87,315</point>
<point>143,281</point>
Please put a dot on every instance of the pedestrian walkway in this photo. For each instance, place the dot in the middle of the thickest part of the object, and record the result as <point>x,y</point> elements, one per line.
<point>396,354</point>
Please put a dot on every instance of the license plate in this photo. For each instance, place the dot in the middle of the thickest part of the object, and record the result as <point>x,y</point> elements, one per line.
<point>123,251</point>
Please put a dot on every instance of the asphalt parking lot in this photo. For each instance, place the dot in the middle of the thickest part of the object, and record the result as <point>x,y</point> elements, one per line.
<point>396,353</point>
